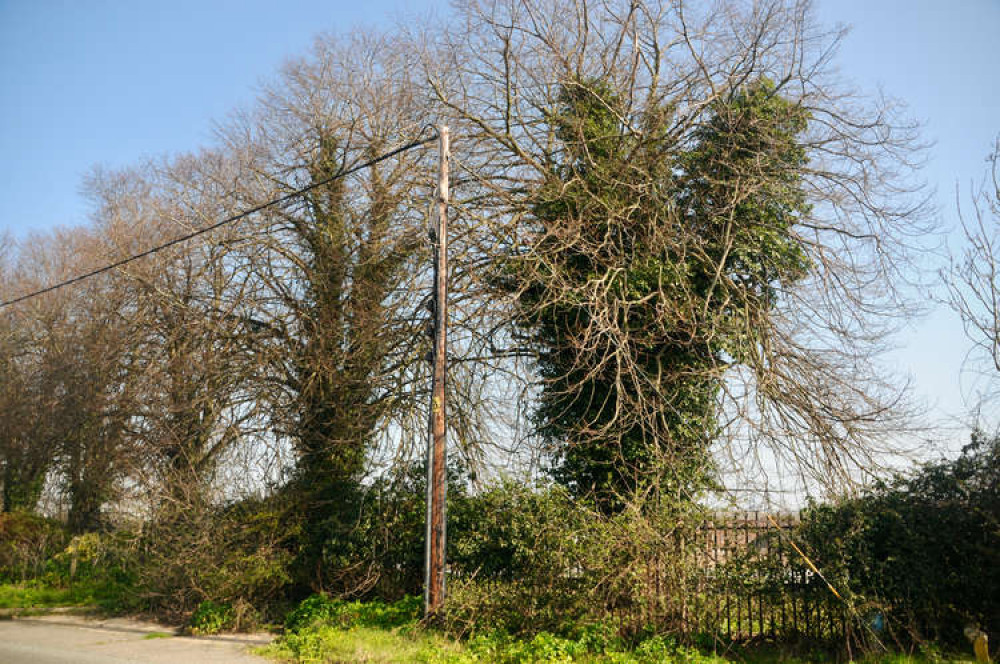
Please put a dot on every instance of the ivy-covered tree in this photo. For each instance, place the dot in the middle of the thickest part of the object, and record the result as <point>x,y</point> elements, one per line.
<point>352,259</point>
<point>653,267</point>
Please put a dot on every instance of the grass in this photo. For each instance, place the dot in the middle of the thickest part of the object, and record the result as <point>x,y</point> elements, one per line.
<point>158,635</point>
<point>38,594</point>
<point>775,656</point>
<point>361,644</point>
<point>410,644</point>
<point>34,595</point>
<point>325,629</point>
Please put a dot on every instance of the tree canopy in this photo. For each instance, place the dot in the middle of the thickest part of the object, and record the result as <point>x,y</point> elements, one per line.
<point>653,265</point>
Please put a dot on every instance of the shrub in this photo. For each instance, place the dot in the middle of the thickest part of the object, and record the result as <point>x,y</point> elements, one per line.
<point>211,618</point>
<point>529,560</point>
<point>237,556</point>
<point>518,558</point>
<point>103,564</point>
<point>27,541</point>
<point>924,550</point>
<point>374,547</point>
<point>94,557</point>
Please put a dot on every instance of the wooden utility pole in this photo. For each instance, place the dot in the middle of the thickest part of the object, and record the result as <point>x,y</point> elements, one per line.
<point>437,483</point>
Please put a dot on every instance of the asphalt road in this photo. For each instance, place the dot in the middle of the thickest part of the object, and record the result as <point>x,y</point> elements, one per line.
<point>63,639</point>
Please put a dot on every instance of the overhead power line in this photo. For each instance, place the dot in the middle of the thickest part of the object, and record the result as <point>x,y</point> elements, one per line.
<point>228,220</point>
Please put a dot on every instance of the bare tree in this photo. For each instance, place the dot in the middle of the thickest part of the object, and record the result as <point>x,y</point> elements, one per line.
<point>97,394</point>
<point>189,356</point>
<point>25,455</point>
<point>65,396</point>
<point>973,280</point>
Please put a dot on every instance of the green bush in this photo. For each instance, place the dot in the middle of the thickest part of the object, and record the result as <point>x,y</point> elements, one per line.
<point>924,551</point>
<point>27,541</point>
<point>519,561</point>
<point>528,560</point>
<point>104,563</point>
<point>212,618</point>
<point>373,546</point>
<point>521,558</point>
<point>93,569</point>
<point>94,557</point>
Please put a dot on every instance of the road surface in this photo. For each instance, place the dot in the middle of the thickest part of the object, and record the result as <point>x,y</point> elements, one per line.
<point>63,639</point>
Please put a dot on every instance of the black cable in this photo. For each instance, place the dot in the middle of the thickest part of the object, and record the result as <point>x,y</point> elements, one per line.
<point>218,224</point>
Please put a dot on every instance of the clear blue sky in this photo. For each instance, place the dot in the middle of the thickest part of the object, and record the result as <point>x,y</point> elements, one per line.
<point>86,82</point>
<point>111,81</point>
<point>941,59</point>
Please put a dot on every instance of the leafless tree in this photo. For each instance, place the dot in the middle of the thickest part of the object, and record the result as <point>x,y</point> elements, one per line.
<point>65,393</point>
<point>24,456</point>
<point>973,281</point>
<point>189,358</point>
<point>97,395</point>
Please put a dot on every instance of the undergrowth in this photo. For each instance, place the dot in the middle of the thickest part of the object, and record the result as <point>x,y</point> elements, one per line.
<point>324,629</point>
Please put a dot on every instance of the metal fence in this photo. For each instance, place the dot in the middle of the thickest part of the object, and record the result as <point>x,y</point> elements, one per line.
<point>753,584</point>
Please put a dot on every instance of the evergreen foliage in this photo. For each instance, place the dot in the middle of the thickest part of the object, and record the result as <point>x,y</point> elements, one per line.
<point>923,550</point>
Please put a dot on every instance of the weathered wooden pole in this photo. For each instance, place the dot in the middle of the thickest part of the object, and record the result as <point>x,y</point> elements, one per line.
<point>437,484</point>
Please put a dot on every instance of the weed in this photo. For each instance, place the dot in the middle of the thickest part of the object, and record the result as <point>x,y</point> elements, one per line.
<point>212,618</point>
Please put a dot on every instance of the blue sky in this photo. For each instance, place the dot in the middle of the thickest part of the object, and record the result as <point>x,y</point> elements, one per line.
<point>112,81</point>
<point>941,59</point>
<point>108,82</point>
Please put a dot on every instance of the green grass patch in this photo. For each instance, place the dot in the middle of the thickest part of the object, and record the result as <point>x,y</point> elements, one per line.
<point>325,643</point>
<point>36,594</point>
<point>777,655</point>
<point>323,629</point>
<point>412,645</point>
<point>331,611</point>
<point>929,658</point>
<point>158,635</point>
